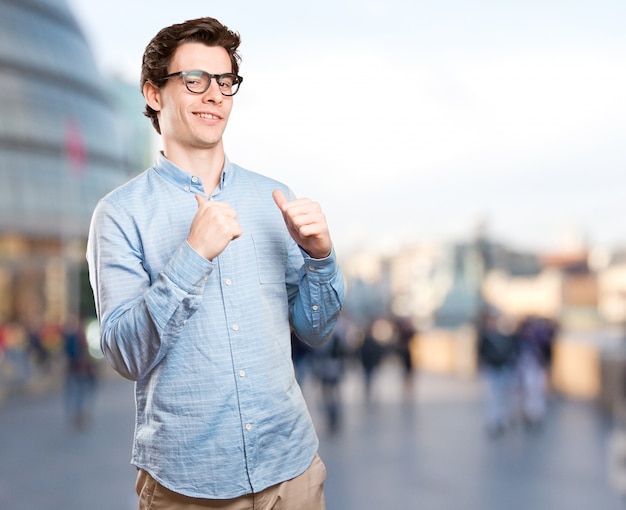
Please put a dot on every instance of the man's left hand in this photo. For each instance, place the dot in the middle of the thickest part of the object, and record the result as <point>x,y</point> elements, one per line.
<point>306,223</point>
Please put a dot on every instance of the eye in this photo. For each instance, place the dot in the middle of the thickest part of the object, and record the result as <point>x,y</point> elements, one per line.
<point>226,81</point>
<point>195,79</point>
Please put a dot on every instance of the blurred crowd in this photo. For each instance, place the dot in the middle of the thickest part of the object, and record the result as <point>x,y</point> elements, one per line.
<point>354,346</point>
<point>514,359</point>
<point>46,354</point>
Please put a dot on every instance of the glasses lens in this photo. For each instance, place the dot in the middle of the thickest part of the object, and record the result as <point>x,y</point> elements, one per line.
<point>228,83</point>
<point>196,81</point>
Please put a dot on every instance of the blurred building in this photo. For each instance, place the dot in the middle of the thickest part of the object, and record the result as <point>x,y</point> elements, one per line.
<point>63,145</point>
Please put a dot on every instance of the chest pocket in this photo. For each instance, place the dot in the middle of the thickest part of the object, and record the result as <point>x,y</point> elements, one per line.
<point>271,260</point>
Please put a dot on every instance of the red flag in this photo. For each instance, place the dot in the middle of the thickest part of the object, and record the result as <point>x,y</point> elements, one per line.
<point>75,149</point>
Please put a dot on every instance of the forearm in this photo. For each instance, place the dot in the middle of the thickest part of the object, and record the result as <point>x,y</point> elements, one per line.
<point>315,307</point>
<point>141,316</point>
<point>137,335</point>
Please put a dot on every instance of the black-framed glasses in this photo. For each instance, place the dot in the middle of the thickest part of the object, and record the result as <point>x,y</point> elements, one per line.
<point>198,81</point>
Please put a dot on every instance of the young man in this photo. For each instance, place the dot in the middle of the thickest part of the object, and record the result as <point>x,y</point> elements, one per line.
<point>198,269</point>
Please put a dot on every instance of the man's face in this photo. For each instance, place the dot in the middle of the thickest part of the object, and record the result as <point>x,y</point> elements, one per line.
<point>191,121</point>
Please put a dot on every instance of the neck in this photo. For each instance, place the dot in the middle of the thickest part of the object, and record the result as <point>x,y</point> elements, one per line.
<point>206,164</point>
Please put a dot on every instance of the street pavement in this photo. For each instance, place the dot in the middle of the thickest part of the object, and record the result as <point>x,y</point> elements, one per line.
<point>426,451</point>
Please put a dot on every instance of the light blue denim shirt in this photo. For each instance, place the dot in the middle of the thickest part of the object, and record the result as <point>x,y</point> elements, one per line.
<point>219,412</point>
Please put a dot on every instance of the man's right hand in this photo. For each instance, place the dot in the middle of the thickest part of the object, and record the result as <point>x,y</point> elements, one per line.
<point>213,227</point>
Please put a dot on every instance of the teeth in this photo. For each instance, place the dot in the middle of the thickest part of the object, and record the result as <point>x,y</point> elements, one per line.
<point>206,116</point>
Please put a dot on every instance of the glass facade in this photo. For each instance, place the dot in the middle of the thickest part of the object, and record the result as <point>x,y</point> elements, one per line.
<point>61,149</point>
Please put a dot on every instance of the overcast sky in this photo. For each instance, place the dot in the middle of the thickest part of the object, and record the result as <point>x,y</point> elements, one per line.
<point>412,120</point>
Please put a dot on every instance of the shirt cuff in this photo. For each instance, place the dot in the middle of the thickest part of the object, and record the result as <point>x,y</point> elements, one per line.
<point>323,267</point>
<point>188,269</point>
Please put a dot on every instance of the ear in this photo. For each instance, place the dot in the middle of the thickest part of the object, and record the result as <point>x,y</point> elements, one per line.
<point>152,95</point>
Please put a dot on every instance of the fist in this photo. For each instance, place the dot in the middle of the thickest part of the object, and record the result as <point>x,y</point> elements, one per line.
<point>213,227</point>
<point>306,224</point>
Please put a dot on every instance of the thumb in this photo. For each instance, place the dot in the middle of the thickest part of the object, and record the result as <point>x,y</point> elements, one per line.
<point>279,198</point>
<point>200,199</point>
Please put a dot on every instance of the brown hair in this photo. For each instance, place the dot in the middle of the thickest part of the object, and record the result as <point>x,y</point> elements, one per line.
<point>160,50</point>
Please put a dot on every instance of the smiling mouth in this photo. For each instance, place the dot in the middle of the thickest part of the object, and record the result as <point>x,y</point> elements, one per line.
<point>209,116</point>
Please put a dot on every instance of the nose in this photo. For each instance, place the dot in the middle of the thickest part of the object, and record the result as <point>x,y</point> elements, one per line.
<point>213,93</point>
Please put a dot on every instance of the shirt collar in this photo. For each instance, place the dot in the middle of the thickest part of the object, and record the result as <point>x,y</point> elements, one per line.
<point>188,182</point>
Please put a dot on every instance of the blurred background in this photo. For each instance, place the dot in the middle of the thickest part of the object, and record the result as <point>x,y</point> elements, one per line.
<point>469,157</point>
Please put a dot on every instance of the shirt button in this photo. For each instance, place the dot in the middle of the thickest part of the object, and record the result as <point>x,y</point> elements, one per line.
<point>194,179</point>
<point>248,426</point>
<point>228,281</point>
<point>235,327</point>
<point>184,322</point>
<point>312,268</point>
<point>315,308</point>
<point>205,278</point>
<point>187,188</point>
<point>242,373</point>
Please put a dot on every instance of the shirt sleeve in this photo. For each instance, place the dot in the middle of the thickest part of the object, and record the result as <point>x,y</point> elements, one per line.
<point>140,319</point>
<point>316,301</point>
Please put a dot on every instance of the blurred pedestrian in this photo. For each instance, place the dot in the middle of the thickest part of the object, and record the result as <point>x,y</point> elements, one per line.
<point>328,367</point>
<point>39,355</point>
<point>536,336</point>
<point>199,268</point>
<point>498,352</point>
<point>406,338</point>
<point>301,354</point>
<point>17,356</point>
<point>371,354</point>
<point>80,379</point>
<point>3,340</point>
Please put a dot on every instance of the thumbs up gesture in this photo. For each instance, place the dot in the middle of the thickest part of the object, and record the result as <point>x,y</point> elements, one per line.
<point>306,224</point>
<point>213,227</point>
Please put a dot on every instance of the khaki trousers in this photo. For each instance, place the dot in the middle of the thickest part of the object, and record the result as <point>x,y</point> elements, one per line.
<point>305,492</point>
